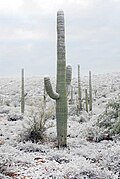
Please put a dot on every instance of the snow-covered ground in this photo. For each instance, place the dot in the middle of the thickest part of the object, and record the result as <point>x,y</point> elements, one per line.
<point>82,159</point>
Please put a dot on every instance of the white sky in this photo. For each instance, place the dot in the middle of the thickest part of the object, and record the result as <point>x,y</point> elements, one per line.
<point>28,35</point>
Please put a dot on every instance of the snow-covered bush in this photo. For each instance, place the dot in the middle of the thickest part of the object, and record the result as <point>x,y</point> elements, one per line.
<point>34,127</point>
<point>109,120</point>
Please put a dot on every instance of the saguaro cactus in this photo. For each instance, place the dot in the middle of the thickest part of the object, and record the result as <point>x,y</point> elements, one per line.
<point>86,100</point>
<point>22,92</point>
<point>90,92</point>
<point>61,94</point>
<point>79,90</point>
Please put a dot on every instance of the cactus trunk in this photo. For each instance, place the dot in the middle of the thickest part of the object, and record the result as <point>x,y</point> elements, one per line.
<point>90,92</point>
<point>61,104</point>
<point>86,100</point>
<point>79,91</point>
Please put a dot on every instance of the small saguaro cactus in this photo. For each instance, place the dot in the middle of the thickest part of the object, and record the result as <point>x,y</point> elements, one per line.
<point>61,93</point>
<point>68,77</point>
<point>22,92</point>
<point>79,91</point>
<point>90,92</point>
<point>86,100</point>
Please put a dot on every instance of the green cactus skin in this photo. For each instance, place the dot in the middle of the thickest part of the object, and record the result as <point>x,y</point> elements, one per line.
<point>22,92</point>
<point>49,89</point>
<point>68,77</point>
<point>79,91</point>
<point>90,92</point>
<point>86,100</point>
<point>68,74</point>
<point>61,93</point>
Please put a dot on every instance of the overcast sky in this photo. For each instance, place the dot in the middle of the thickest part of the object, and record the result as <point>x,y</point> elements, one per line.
<point>28,36</point>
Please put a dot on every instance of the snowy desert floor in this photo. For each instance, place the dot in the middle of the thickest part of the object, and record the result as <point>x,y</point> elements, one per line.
<point>82,159</point>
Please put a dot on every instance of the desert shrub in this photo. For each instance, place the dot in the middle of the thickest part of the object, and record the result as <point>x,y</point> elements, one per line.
<point>110,118</point>
<point>34,127</point>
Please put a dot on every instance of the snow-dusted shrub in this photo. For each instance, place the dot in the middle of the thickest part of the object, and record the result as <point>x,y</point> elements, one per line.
<point>14,117</point>
<point>32,130</point>
<point>34,127</point>
<point>110,118</point>
<point>93,134</point>
<point>5,163</point>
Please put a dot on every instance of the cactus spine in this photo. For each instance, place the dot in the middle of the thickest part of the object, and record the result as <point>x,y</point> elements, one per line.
<point>90,92</point>
<point>61,94</point>
<point>79,91</point>
<point>86,100</point>
<point>22,92</point>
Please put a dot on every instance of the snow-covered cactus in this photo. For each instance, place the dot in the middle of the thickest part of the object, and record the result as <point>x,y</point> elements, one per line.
<point>86,100</point>
<point>61,94</point>
<point>79,91</point>
<point>22,92</point>
<point>90,92</point>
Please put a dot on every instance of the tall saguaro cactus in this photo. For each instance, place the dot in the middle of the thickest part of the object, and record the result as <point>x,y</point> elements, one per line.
<point>22,92</point>
<point>90,92</point>
<point>79,90</point>
<point>61,94</point>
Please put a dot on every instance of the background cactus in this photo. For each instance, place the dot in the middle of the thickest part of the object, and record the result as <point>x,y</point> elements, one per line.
<point>22,92</point>
<point>90,92</point>
<point>86,100</point>
<point>61,94</point>
<point>79,91</point>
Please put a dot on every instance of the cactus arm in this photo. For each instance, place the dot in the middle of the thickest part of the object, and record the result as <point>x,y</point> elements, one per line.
<point>49,89</point>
